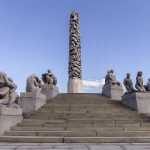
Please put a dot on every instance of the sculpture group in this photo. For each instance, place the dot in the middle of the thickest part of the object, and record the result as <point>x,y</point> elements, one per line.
<point>110,79</point>
<point>33,84</point>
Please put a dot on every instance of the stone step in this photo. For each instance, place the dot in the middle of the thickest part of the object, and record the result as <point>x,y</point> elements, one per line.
<point>43,121</point>
<point>38,128</point>
<point>78,125</point>
<point>43,139</point>
<point>53,111</point>
<point>31,139</point>
<point>139,139</point>
<point>88,106</point>
<point>122,133</point>
<point>53,133</point>
<point>80,133</point>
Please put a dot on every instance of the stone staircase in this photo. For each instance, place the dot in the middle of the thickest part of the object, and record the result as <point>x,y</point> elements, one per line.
<point>81,118</point>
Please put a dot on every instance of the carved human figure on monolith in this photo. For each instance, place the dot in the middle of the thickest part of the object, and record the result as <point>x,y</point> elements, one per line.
<point>139,82</point>
<point>75,70</point>
<point>49,78</point>
<point>128,84</point>
<point>33,84</point>
<point>7,91</point>
<point>111,78</point>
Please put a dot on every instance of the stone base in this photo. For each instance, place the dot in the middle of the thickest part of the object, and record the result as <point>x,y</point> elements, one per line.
<point>114,92</point>
<point>50,91</point>
<point>138,101</point>
<point>31,101</point>
<point>9,117</point>
<point>129,100</point>
<point>75,86</point>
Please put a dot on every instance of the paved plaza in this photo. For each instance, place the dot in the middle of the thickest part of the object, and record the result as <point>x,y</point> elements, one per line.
<point>46,146</point>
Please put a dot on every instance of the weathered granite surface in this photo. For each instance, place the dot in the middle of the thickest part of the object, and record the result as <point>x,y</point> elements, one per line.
<point>31,101</point>
<point>9,117</point>
<point>50,91</point>
<point>139,101</point>
<point>114,92</point>
<point>75,86</point>
<point>129,100</point>
<point>50,146</point>
<point>75,67</point>
<point>7,91</point>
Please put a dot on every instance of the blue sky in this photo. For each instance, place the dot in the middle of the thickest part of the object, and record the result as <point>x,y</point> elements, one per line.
<point>34,36</point>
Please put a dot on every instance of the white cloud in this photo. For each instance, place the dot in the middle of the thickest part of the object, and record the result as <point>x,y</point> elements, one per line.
<point>89,84</point>
<point>93,84</point>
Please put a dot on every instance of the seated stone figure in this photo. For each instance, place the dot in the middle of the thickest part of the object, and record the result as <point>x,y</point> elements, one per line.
<point>139,82</point>
<point>33,84</point>
<point>128,84</point>
<point>147,86</point>
<point>7,91</point>
<point>107,78</point>
<point>111,78</point>
<point>49,78</point>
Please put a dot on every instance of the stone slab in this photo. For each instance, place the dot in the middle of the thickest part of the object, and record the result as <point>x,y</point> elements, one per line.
<point>75,146</point>
<point>75,86</point>
<point>10,111</point>
<point>50,91</point>
<point>137,101</point>
<point>129,100</point>
<point>113,91</point>
<point>31,101</point>
<point>8,121</point>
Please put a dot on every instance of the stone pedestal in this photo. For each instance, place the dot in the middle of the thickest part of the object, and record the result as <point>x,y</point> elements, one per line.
<point>114,92</point>
<point>31,101</point>
<point>138,101</point>
<point>50,91</point>
<point>129,100</point>
<point>75,86</point>
<point>9,117</point>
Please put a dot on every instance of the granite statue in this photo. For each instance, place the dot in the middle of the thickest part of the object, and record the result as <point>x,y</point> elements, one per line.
<point>107,78</point>
<point>49,78</point>
<point>147,86</point>
<point>139,82</point>
<point>128,84</point>
<point>110,78</point>
<point>33,84</point>
<point>75,70</point>
<point>7,91</point>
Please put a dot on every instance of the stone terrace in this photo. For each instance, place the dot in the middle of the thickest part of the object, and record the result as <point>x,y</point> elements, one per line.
<point>81,118</point>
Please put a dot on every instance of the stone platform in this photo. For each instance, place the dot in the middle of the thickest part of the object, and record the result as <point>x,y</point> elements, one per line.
<point>81,118</point>
<point>31,101</point>
<point>50,91</point>
<point>114,92</point>
<point>75,86</point>
<point>9,117</point>
<point>138,101</point>
<point>71,146</point>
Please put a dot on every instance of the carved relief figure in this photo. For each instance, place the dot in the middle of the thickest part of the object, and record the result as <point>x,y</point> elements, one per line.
<point>75,70</point>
